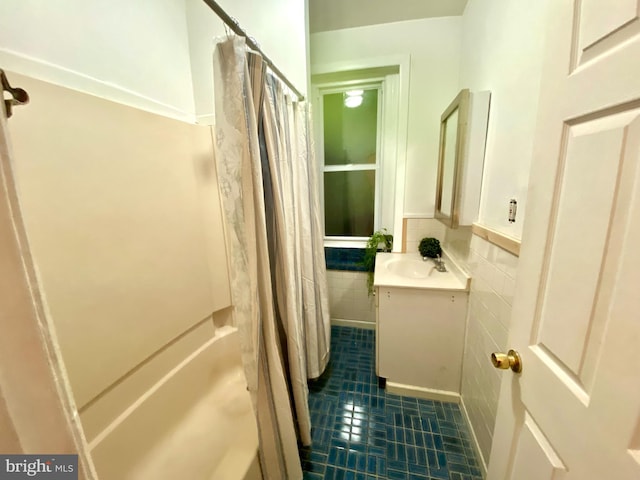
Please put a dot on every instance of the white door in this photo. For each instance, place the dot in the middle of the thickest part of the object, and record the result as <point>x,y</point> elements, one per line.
<point>574,410</point>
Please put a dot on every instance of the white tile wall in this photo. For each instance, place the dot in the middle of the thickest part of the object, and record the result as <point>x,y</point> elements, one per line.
<point>348,297</point>
<point>493,273</point>
<point>419,228</point>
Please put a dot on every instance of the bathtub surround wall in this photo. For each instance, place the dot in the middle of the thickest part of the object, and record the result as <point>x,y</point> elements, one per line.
<point>147,185</point>
<point>125,228</point>
<point>31,420</point>
<point>493,271</point>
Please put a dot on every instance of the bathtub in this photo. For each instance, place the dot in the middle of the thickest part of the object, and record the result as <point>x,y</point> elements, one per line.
<point>196,423</point>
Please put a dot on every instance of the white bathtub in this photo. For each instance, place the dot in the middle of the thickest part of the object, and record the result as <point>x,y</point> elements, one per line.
<point>196,423</point>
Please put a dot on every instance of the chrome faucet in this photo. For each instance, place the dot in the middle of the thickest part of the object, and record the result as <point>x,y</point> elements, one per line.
<point>439,263</point>
<point>440,266</point>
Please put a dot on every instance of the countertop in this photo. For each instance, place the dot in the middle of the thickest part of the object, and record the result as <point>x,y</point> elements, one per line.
<point>418,273</point>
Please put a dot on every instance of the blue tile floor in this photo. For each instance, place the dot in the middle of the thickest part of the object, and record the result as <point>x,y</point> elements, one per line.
<point>361,432</point>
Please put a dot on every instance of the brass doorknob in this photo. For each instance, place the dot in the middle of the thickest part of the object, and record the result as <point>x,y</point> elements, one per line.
<point>507,360</point>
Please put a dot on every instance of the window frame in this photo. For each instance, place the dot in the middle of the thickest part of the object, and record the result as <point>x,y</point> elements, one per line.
<point>341,87</point>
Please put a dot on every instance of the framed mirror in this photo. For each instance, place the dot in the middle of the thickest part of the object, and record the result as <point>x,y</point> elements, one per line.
<point>453,129</point>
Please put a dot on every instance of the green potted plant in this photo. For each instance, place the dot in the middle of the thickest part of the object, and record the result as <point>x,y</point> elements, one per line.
<point>380,237</point>
<point>430,247</point>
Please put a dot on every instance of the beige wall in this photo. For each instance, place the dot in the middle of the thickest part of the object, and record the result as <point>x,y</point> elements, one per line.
<point>122,212</point>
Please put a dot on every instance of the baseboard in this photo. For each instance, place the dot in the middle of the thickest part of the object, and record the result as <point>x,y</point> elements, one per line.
<point>421,392</point>
<point>342,322</point>
<point>476,445</point>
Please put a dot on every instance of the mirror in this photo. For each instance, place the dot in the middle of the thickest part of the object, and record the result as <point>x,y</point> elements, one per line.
<point>453,125</point>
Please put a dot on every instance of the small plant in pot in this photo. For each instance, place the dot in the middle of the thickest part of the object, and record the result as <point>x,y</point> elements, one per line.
<point>430,247</point>
<point>381,240</point>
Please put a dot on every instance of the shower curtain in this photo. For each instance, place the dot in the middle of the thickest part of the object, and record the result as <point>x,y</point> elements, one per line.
<point>300,258</point>
<point>278,277</point>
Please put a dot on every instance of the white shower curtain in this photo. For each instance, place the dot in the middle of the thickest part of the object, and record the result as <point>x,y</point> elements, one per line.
<point>278,278</point>
<point>301,255</point>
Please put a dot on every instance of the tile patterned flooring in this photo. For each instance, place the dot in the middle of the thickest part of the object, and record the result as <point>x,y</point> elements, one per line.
<point>361,432</point>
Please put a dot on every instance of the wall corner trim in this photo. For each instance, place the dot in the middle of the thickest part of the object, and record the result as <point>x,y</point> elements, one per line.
<point>510,244</point>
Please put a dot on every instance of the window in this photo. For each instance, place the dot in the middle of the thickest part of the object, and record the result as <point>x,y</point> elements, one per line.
<point>351,161</point>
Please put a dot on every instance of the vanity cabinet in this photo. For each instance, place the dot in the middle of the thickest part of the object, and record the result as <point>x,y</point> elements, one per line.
<point>420,340</point>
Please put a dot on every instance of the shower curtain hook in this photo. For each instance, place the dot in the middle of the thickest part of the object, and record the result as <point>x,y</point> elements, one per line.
<point>20,96</point>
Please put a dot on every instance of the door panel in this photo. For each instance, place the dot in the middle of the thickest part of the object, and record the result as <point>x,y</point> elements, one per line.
<point>579,239</point>
<point>535,458</point>
<point>599,29</point>
<point>574,411</point>
<point>590,424</point>
<point>597,23</point>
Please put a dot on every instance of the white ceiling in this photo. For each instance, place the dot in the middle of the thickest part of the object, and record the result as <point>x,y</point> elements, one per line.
<point>325,15</point>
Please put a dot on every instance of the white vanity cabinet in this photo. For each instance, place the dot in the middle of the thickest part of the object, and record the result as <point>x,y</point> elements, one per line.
<point>420,340</point>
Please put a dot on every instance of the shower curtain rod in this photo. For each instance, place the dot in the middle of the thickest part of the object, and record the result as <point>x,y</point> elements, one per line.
<point>235,26</point>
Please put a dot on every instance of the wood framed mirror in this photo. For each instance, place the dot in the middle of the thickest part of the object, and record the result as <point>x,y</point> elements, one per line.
<point>453,130</point>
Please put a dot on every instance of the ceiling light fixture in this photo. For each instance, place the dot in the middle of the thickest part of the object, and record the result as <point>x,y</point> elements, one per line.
<point>353,98</point>
<point>352,102</point>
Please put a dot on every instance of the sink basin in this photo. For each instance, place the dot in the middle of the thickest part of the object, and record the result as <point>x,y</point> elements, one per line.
<point>408,270</point>
<point>410,267</point>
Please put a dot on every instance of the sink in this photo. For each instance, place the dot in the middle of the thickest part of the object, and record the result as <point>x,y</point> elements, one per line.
<point>408,270</point>
<point>410,267</point>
